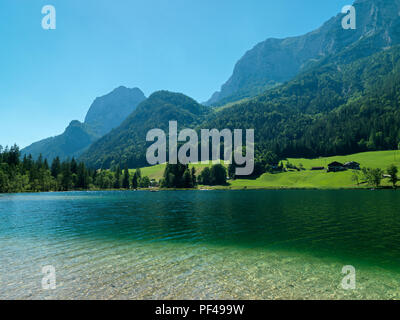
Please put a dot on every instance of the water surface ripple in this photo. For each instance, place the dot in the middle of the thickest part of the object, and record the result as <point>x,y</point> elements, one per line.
<point>200,244</point>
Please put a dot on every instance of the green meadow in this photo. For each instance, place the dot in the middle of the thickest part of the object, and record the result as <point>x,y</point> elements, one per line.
<point>157,172</point>
<point>322,179</point>
<point>306,179</point>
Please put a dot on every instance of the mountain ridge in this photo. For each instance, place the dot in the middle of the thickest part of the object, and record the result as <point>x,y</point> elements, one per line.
<point>105,113</point>
<point>275,61</point>
<point>127,143</point>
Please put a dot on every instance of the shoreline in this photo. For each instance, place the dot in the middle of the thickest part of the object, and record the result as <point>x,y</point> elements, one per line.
<point>215,188</point>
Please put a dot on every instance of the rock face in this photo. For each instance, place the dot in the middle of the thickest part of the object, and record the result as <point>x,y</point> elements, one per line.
<point>105,114</point>
<point>279,60</point>
<point>108,112</point>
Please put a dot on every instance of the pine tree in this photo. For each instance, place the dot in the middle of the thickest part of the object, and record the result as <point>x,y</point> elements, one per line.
<point>82,177</point>
<point>117,183</point>
<point>39,162</point>
<point>125,182</point>
<point>74,166</point>
<point>56,167</point>
<point>66,180</point>
<point>45,164</point>
<point>194,180</point>
<point>135,182</point>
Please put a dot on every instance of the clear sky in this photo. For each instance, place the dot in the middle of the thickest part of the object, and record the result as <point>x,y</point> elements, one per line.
<point>50,77</point>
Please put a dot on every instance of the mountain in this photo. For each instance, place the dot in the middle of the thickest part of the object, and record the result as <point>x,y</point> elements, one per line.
<point>276,61</point>
<point>334,108</point>
<point>331,91</point>
<point>127,144</point>
<point>75,139</point>
<point>106,113</point>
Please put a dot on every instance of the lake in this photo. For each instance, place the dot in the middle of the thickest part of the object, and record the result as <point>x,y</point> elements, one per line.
<point>270,244</point>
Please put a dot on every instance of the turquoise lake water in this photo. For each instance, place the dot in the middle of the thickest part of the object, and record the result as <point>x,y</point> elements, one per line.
<point>272,244</point>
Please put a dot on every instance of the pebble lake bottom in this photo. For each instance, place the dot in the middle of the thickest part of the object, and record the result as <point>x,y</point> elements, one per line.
<point>271,244</point>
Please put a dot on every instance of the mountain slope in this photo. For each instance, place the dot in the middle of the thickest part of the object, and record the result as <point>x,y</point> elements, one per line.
<point>331,109</point>
<point>127,143</point>
<point>106,113</point>
<point>109,111</point>
<point>75,139</point>
<point>278,60</point>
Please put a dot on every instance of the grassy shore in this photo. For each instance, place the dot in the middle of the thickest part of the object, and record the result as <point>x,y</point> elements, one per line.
<point>304,179</point>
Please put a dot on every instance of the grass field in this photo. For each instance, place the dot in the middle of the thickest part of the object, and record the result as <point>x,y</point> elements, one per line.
<point>156,172</point>
<point>304,179</point>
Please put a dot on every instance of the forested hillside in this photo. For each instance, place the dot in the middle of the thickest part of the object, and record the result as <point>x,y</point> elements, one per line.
<point>127,144</point>
<point>332,109</point>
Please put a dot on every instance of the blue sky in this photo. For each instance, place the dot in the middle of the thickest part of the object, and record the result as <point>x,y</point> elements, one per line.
<point>50,77</point>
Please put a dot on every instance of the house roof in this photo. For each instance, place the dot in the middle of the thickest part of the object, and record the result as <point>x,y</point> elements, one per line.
<point>335,164</point>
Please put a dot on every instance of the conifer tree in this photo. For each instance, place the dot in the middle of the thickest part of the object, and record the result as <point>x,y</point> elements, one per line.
<point>125,182</point>
<point>56,167</point>
<point>135,182</point>
<point>194,180</point>
<point>117,183</point>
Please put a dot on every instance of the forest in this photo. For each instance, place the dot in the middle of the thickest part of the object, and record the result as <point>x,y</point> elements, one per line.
<point>331,110</point>
<point>29,175</point>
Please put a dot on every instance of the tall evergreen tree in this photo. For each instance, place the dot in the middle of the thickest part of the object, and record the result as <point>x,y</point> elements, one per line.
<point>125,181</point>
<point>135,182</point>
<point>117,183</point>
<point>194,179</point>
<point>82,177</point>
<point>56,167</point>
<point>74,166</point>
<point>66,180</point>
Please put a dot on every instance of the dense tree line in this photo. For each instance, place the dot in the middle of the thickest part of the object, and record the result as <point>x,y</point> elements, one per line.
<point>214,176</point>
<point>181,176</point>
<point>264,162</point>
<point>29,175</point>
<point>178,176</point>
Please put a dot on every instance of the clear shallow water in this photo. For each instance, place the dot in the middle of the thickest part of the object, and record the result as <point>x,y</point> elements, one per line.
<point>201,244</point>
